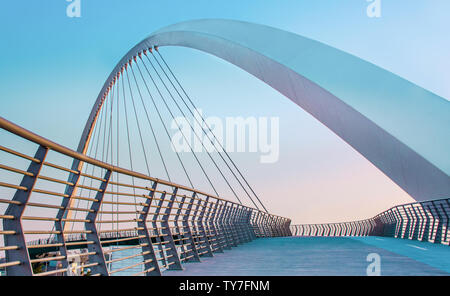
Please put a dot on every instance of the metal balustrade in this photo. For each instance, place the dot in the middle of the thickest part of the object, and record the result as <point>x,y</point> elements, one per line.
<point>423,221</point>
<point>104,210</point>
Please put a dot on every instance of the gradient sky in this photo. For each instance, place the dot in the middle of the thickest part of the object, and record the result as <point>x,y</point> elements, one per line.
<point>52,68</point>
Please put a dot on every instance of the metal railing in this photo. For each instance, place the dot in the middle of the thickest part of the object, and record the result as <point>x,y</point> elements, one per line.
<point>53,215</point>
<point>423,221</point>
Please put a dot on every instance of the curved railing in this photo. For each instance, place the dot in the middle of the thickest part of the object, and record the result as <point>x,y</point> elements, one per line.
<point>116,210</point>
<point>423,221</point>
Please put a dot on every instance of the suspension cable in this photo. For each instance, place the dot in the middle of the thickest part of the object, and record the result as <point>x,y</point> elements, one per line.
<point>209,128</point>
<point>129,144</point>
<point>151,126</point>
<point>195,133</point>
<point>179,128</point>
<point>203,129</point>
<point>164,126</point>
<point>137,121</point>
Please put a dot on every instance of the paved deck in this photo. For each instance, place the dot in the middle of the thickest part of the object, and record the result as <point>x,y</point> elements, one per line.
<point>324,256</point>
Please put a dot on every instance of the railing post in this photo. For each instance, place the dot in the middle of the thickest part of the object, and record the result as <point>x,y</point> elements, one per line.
<point>324,230</point>
<point>245,223</point>
<point>427,234</point>
<point>398,222</point>
<point>240,230</point>
<point>224,229</point>
<point>186,234</point>
<point>62,213</point>
<point>205,243</point>
<point>186,225</point>
<point>267,231</point>
<point>422,223</point>
<point>151,261</point>
<point>446,239</point>
<point>408,222</point>
<point>342,229</point>
<point>221,227</point>
<point>358,228</point>
<point>92,235</point>
<point>174,262</point>
<point>233,226</point>
<point>212,224</point>
<point>258,224</point>
<point>230,226</point>
<point>275,229</point>
<point>248,221</point>
<point>438,236</point>
<point>16,209</point>
<point>414,223</point>
<point>393,224</point>
<point>240,223</point>
<point>155,227</point>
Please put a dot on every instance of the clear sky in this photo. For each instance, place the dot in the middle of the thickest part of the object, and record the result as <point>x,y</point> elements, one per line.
<point>52,68</point>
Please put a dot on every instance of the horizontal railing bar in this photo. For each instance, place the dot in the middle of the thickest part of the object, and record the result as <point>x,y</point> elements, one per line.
<point>37,190</point>
<point>32,204</point>
<point>9,248</point>
<point>128,257</point>
<point>79,243</point>
<point>11,169</point>
<point>46,163</point>
<point>18,153</point>
<point>131,266</point>
<point>121,212</point>
<point>39,218</point>
<point>120,239</point>
<point>89,188</point>
<point>55,180</point>
<point>7,232</point>
<point>40,205</point>
<point>85,198</point>
<point>44,246</point>
<point>7,217</point>
<point>10,202</point>
<point>2,184</point>
<point>92,177</point>
<point>125,203</point>
<point>144,271</point>
<point>124,248</point>
<point>118,221</point>
<point>51,272</point>
<point>46,259</point>
<point>127,194</point>
<point>80,255</point>
<point>8,264</point>
<point>55,231</point>
<point>122,230</point>
<point>129,185</point>
<point>15,129</point>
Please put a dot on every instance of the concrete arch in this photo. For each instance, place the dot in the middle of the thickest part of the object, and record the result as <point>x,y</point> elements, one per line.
<point>401,128</point>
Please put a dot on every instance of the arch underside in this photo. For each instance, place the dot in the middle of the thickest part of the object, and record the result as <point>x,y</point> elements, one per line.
<point>399,127</point>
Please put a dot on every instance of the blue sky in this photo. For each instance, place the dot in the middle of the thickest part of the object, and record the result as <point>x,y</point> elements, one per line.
<point>52,68</point>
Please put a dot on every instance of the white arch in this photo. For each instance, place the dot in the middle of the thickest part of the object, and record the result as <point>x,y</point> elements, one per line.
<point>400,127</point>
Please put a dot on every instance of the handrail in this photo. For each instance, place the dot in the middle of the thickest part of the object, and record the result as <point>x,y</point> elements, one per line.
<point>425,221</point>
<point>168,230</point>
<point>24,133</point>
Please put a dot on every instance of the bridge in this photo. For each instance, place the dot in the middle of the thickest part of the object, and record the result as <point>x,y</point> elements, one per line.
<point>68,212</point>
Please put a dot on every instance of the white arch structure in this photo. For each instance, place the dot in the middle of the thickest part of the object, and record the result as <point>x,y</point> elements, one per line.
<point>401,128</point>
